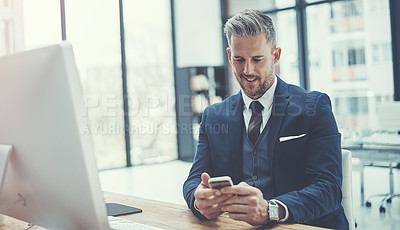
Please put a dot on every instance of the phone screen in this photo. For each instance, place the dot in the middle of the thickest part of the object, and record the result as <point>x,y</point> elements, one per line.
<point>220,184</point>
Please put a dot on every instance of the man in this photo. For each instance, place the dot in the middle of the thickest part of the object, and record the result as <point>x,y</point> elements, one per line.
<point>281,146</point>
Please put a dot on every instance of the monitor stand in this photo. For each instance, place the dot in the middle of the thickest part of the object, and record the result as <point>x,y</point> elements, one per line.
<point>5,153</point>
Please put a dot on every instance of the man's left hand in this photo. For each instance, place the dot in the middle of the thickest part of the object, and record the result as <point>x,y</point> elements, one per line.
<point>248,205</point>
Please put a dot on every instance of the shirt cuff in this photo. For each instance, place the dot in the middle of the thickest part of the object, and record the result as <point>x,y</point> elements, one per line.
<point>195,206</point>
<point>279,202</point>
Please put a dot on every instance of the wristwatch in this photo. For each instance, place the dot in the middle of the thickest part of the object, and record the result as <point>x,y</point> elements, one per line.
<point>273,211</point>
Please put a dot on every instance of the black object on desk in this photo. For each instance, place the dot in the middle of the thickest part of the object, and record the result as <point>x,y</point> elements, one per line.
<point>114,209</point>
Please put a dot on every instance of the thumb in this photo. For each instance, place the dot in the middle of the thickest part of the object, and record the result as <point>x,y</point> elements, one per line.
<point>204,179</point>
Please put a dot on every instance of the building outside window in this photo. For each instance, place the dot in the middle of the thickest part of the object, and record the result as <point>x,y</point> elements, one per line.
<point>349,58</point>
<point>350,69</point>
<point>349,54</point>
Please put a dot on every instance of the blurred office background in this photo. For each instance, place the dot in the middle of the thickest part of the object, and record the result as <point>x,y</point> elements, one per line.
<point>149,68</point>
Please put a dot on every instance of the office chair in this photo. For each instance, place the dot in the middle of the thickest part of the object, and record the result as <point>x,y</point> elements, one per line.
<point>389,121</point>
<point>347,188</point>
<point>387,197</point>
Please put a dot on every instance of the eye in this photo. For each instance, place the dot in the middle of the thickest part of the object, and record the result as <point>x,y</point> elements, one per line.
<point>239,60</point>
<point>257,59</point>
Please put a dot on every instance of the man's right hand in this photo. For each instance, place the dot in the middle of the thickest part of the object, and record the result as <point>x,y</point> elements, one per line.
<point>208,200</point>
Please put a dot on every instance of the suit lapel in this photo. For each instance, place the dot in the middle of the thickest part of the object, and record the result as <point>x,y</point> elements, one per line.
<point>236,125</point>
<point>281,101</point>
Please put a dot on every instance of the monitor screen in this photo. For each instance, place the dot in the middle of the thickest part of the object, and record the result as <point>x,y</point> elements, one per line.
<point>51,178</point>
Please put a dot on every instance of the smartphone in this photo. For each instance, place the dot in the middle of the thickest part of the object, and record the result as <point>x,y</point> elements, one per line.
<point>220,182</point>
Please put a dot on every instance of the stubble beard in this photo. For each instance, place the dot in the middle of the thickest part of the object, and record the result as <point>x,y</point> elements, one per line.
<point>262,89</point>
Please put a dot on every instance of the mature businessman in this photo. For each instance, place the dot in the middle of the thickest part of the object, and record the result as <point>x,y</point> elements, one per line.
<point>281,146</point>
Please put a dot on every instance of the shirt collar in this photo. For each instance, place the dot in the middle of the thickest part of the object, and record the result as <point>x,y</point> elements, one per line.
<point>266,99</point>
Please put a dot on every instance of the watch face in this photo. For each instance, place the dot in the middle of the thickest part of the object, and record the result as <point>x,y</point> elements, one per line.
<point>274,212</point>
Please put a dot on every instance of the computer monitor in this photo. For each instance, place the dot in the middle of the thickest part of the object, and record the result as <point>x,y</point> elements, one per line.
<point>51,179</point>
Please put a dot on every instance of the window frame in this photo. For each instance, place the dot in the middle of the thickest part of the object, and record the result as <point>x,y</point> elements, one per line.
<point>302,33</point>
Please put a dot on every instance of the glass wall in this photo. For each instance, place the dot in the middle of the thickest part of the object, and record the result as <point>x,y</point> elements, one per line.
<point>95,37</point>
<point>24,24</point>
<point>350,59</point>
<point>286,35</point>
<point>150,79</point>
<point>41,27</point>
<point>93,28</point>
<point>235,6</point>
<point>349,54</point>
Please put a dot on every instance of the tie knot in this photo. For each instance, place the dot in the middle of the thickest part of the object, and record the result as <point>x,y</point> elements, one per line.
<point>256,106</point>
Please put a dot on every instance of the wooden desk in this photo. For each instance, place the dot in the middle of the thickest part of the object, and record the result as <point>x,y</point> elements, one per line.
<point>169,216</point>
<point>174,216</point>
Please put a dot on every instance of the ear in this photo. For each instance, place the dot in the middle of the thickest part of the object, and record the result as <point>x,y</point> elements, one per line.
<point>277,54</point>
<point>229,52</point>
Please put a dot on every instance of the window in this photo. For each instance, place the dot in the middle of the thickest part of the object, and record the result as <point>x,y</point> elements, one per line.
<point>338,58</point>
<point>25,25</point>
<point>375,6</point>
<point>356,56</point>
<point>6,3</point>
<point>347,57</point>
<point>346,10</point>
<point>93,28</point>
<point>286,35</point>
<point>40,27</point>
<point>352,106</point>
<point>352,110</point>
<point>235,6</point>
<point>346,17</point>
<point>8,38</point>
<point>381,52</point>
<point>150,79</point>
<point>95,37</point>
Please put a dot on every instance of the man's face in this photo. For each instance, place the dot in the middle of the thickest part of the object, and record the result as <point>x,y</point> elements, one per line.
<point>252,60</point>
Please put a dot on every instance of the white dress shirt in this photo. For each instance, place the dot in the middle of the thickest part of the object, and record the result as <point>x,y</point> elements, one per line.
<point>266,100</point>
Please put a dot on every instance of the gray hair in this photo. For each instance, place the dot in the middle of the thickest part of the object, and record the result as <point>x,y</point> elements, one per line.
<point>250,23</point>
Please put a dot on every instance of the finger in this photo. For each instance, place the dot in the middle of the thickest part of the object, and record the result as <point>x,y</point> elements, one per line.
<point>244,184</point>
<point>212,215</point>
<point>251,218</point>
<point>239,189</point>
<point>204,179</point>
<point>236,208</point>
<point>238,216</point>
<point>242,189</point>
<point>223,198</point>
<point>211,211</point>
<point>205,193</point>
<point>235,200</point>
<point>211,201</point>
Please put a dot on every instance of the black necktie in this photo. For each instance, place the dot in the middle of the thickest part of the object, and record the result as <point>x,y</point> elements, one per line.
<point>255,121</point>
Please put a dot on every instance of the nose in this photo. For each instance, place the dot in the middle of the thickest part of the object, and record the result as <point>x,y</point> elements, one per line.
<point>248,68</point>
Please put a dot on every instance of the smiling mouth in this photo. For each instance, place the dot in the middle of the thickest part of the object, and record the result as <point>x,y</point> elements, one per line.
<point>249,78</point>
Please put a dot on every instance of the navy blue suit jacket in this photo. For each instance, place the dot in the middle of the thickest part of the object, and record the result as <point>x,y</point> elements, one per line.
<point>307,171</point>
